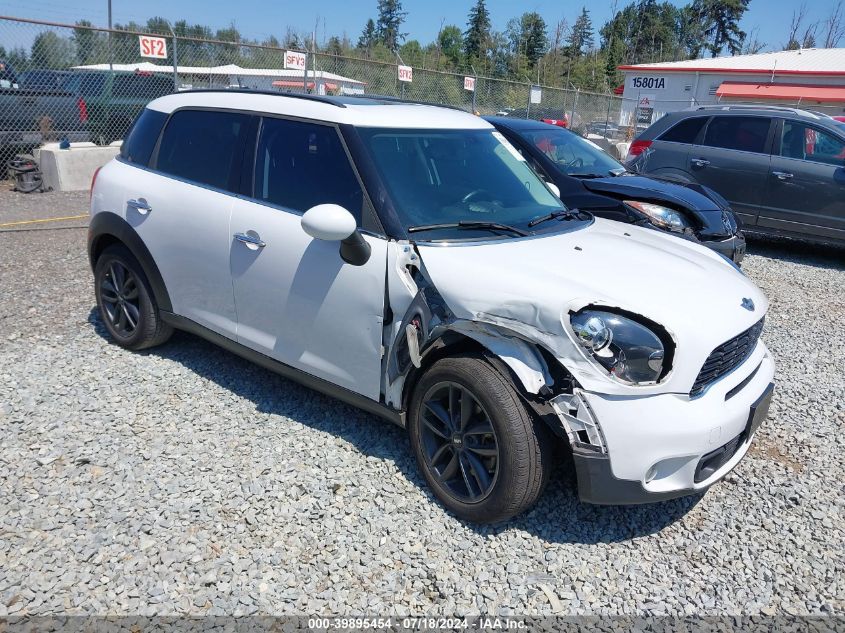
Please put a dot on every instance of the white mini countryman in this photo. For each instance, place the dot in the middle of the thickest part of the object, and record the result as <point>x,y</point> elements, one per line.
<point>405,259</point>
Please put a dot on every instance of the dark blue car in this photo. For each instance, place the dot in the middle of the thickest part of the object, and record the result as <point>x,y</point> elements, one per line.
<point>591,180</point>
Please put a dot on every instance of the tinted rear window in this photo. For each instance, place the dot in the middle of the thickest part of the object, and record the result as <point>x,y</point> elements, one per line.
<point>685,131</point>
<point>200,146</point>
<point>141,87</point>
<point>746,134</point>
<point>138,145</point>
<point>86,85</point>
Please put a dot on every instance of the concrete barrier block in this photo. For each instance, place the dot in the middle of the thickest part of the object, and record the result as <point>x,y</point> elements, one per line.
<point>72,169</point>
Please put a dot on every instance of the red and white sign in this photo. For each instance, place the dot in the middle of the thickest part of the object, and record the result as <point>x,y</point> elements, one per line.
<point>294,60</point>
<point>469,83</point>
<point>646,101</point>
<point>155,47</point>
<point>406,73</point>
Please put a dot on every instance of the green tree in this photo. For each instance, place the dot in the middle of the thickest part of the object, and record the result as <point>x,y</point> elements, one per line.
<point>477,37</point>
<point>449,42</point>
<point>51,51</point>
<point>534,36</point>
<point>581,39</point>
<point>334,47</point>
<point>390,19</point>
<point>720,24</point>
<point>89,44</point>
<point>368,36</point>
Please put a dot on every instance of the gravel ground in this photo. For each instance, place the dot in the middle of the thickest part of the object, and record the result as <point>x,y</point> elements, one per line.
<point>187,481</point>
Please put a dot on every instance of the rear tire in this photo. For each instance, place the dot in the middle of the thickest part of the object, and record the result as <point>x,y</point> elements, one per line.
<point>127,305</point>
<point>485,457</point>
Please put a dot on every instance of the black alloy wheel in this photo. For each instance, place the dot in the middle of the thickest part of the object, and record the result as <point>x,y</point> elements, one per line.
<point>459,442</point>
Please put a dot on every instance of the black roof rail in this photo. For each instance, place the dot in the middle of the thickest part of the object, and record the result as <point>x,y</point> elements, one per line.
<point>292,95</point>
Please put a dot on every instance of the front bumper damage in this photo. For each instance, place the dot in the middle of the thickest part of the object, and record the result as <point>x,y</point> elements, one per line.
<point>733,247</point>
<point>655,446</point>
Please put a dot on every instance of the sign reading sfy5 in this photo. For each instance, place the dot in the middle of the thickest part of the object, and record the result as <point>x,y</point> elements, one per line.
<point>294,60</point>
<point>469,83</point>
<point>155,47</point>
<point>406,73</point>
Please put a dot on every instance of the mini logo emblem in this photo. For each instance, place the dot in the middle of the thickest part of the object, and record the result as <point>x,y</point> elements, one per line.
<point>748,304</point>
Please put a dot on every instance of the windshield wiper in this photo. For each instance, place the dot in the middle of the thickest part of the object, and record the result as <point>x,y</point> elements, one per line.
<point>468,224</point>
<point>587,175</point>
<point>560,214</point>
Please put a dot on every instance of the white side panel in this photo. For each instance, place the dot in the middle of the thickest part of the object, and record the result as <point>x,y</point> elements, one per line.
<point>300,303</point>
<point>187,233</point>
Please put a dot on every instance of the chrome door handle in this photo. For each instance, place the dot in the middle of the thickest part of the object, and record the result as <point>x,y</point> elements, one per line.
<point>782,175</point>
<point>699,162</point>
<point>250,240</point>
<point>140,205</point>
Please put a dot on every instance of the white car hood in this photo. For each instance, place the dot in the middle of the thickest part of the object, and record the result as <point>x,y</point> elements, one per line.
<point>530,286</point>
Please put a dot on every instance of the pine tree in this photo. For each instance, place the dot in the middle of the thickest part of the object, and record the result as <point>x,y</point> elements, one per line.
<point>390,19</point>
<point>534,35</point>
<point>720,23</point>
<point>582,38</point>
<point>477,37</point>
<point>368,37</point>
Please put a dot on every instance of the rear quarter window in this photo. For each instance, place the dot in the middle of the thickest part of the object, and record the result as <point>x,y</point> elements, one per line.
<point>139,143</point>
<point>685,131</point>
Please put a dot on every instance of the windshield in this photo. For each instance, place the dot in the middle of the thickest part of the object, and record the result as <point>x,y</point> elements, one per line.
<point>572,154</point>
<point>467,177</point>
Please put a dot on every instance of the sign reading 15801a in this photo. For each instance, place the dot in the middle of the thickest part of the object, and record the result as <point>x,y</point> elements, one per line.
<point>649,82</point>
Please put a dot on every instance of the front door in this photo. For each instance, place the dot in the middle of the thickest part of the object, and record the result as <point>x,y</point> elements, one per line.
<point>297,301</point>
<point>733,160</point>
<point>806,192</point>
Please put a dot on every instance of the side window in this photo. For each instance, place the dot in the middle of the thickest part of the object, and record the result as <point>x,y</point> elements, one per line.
<point>807,143</point>
<point>139,143</point>
<point>685,131</point>
<point>746,134</point>
<point>201,146</point>
<point>300,165</point>
<point>124,86</point>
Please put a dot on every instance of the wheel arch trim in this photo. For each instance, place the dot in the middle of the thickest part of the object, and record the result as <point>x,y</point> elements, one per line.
<point>107,227</point>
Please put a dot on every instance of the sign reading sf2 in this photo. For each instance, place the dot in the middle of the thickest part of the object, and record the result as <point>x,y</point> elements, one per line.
<point>153,46</point>
<point>649,82</point>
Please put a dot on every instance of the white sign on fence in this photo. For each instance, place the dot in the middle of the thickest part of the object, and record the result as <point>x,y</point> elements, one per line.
<point>536,94</point>
<point>469,83</point>
<point>294,60</point>
<point>406,73</point>
<point>155,47</point>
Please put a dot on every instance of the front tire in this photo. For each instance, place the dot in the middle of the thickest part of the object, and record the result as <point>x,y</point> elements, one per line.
<point>483,454</point>
<point>127,305</point>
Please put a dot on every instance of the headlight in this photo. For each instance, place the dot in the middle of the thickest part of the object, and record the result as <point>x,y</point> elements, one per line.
<point>663,217</point>
<point>627,349</point>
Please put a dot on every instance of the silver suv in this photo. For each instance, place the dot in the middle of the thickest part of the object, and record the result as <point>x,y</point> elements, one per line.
<point>781,169</point>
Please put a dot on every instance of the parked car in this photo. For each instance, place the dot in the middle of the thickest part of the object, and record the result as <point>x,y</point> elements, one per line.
<point>591,180</point>
<point>781,169</point>
<point>87,105</point>
<point>405,259</point>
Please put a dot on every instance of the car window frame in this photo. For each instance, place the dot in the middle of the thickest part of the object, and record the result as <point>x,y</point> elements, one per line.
<point>235,173</point>
<point>778,140</point>
<point>369,222</point>
<point>767,144</point>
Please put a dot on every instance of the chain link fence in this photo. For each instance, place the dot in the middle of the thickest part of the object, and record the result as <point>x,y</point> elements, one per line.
<point>78,83</point>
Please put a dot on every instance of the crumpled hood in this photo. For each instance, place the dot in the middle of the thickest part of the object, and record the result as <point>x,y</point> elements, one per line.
<point>645,188</point>
<point>530,286</point>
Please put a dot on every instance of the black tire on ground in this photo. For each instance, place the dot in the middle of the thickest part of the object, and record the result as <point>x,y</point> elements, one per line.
<point>126,303</point>
<point>524,446</point>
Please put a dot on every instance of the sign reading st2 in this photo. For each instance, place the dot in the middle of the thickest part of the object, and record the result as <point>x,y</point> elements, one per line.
<point>649,82</point>
<point>155,47</point>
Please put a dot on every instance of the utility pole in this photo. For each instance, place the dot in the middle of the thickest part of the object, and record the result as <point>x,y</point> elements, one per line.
<point>111,66</point>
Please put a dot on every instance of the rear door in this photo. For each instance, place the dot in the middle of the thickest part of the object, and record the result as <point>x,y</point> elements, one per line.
<point>733,159</point>
<point>181,210</point>
<point>669,153</point>
<point>806,186</point>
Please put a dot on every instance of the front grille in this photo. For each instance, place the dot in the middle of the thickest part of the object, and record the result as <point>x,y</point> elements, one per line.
<point>714,460</point>
<point>727,357</point>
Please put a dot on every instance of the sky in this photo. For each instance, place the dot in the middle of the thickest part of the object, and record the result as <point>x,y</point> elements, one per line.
<point>258,19</point>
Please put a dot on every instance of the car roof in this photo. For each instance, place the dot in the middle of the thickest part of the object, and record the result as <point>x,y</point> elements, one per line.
<point>367,111</point>
<point>520,124</point>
